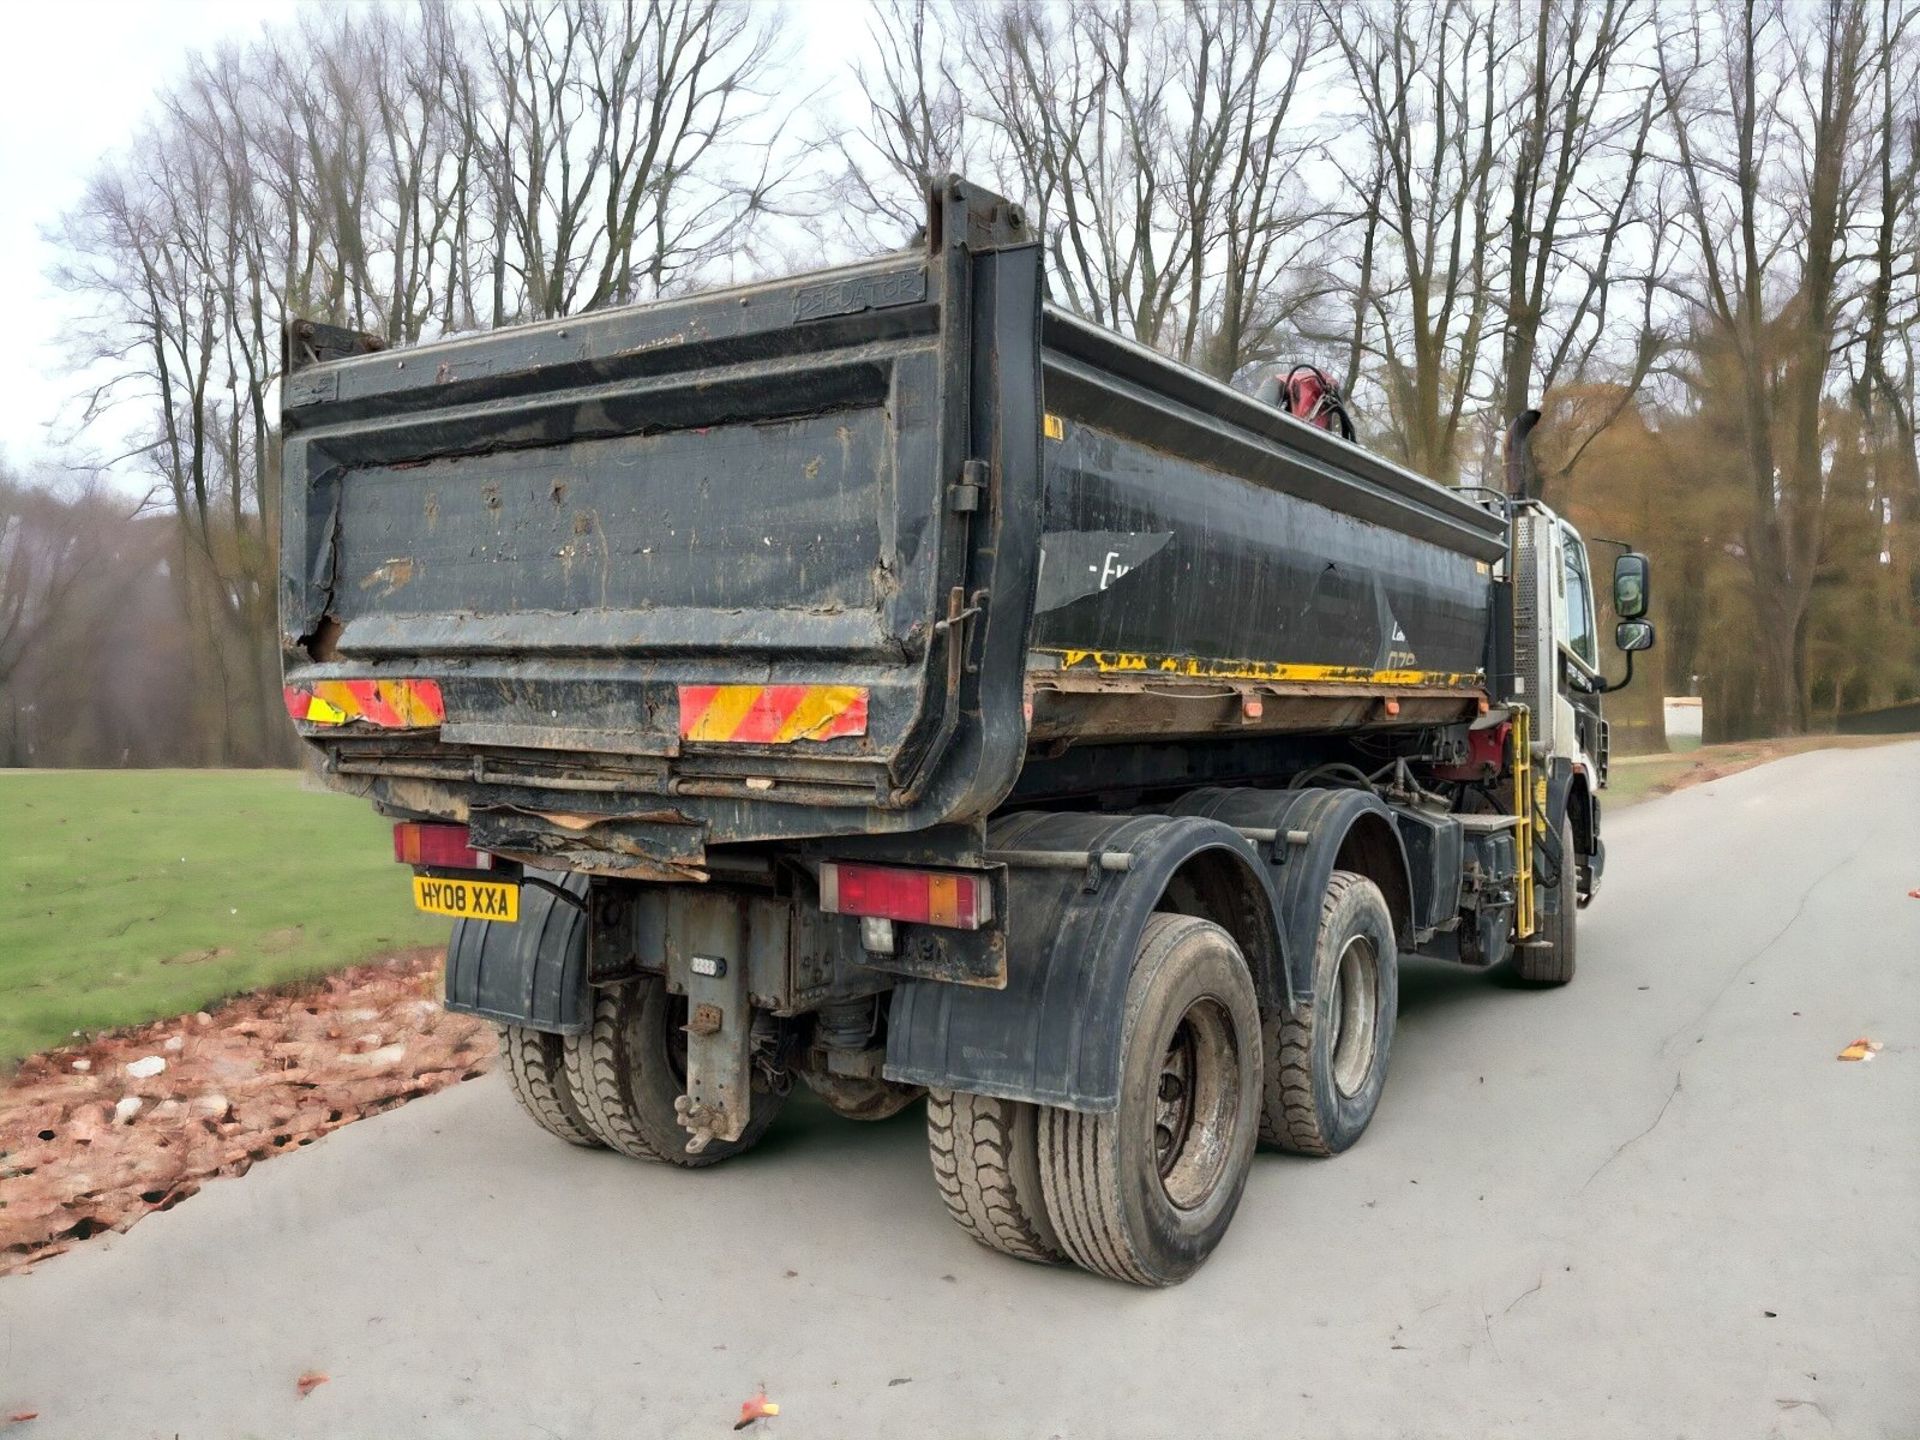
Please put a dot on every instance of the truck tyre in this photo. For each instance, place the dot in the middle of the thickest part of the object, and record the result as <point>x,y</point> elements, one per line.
<point>1145,1192</point>
<point>1327,1065</point>
<point>986,1162</point>
<point>536,1068</point>
<point>629,1066</point>
<point>1552,964</point>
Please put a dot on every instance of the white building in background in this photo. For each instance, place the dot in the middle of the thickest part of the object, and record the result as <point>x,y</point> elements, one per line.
<point>1683,721</point>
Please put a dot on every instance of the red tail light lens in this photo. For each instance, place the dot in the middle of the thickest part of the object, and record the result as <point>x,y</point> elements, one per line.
<point>925,897</point>
<point>444,846</point>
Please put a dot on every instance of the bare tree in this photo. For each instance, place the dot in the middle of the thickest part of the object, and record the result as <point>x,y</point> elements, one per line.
<point>42,562</point>
<point>1585,114</point>
<point>915,130</point>
<point>1253,221</point>
<point>1155,147</point>
<point>614,133</point>
<point>152,249</point>
<point>1764,108</point>
<point>1428,84</point>
<point>1077,99</point>
<point>385,169</point>
<point>1884,328</point>
<point>61,577</point>
<point>1693,237</point>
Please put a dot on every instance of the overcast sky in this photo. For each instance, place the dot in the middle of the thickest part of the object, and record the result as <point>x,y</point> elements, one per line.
<point>82,74</point>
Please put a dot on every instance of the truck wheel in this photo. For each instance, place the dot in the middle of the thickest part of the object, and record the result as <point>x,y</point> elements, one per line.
<point>1144,1193</point>
<point>1327,1065</point>
<point>536,1067</point>
<point>986,1162</point>
<point>1552,964</point>
<point>630,1065</point>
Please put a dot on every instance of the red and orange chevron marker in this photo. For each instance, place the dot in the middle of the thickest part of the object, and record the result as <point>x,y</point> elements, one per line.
<point>390,704</point>
<point>771,714</point>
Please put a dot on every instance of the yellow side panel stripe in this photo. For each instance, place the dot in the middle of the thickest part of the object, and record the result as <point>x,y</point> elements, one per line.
<point>1122,662</point>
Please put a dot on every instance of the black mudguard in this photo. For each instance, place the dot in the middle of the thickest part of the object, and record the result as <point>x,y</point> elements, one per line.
<point>532,973</point>
<point>1053,1035</point>
<point>1300,872</point>
<point>1548,859</point>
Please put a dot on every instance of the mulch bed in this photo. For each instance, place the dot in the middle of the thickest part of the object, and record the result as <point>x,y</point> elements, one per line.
<point>87,1146</point>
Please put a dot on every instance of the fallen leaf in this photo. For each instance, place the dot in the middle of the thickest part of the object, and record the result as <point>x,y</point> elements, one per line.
<point>20,1417</point>
<point>1861,1049</point>
<point>758,1408</point>
<point>262,1077</point>
<point>903,1380</point>
<point>1913,894</point>
<point>311,1381</point>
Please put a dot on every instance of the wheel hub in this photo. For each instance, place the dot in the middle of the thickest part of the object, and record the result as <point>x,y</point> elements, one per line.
<point>1355,1006</point>
<point>1195,1102</point>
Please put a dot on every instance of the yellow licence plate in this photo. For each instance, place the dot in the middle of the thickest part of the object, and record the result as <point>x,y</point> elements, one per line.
<point>467,899</point>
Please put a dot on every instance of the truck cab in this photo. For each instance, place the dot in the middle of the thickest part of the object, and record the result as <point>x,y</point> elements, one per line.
<point>1558,662</point>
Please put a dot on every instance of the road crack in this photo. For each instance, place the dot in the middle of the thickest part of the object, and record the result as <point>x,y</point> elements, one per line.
<point>1622,1147</point>
<point>1778,935</point>
<point>1533,1289</point>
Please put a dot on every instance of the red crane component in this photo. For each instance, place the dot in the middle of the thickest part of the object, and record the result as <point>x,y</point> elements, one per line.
<point>1308,393</point>
<point>1486,755</point>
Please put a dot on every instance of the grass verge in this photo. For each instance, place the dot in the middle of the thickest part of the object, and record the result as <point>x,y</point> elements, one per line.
<point>128,895</point>
<point>1633,778</point>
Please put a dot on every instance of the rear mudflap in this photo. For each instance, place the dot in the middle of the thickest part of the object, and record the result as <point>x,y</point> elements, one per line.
<point>533,973</point>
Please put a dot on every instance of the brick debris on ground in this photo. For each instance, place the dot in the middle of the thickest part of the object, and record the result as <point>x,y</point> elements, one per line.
<point>87,1145</point>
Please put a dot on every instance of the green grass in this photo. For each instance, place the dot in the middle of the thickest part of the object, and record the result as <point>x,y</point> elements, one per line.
<point>129,895</point>
<point>1633,778</point>
<point>1628,784</point>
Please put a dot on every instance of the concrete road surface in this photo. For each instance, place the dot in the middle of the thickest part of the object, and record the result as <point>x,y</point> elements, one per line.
<point>1650,1204</point>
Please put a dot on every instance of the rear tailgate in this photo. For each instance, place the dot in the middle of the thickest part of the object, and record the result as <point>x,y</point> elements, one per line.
<point>701,548</point>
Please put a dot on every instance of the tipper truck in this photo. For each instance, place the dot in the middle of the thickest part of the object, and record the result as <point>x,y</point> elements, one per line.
<point>884,681</point>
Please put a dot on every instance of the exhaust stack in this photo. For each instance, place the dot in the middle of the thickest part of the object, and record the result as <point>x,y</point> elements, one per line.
<point>1520,453</point>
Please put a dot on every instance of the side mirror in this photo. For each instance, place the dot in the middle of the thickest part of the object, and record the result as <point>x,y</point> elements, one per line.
<point>1632,583</point>
<point>1632,635</point>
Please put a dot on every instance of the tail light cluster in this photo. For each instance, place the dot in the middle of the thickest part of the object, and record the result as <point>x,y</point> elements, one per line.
<point>925,897</point>
<point>441,846</point>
